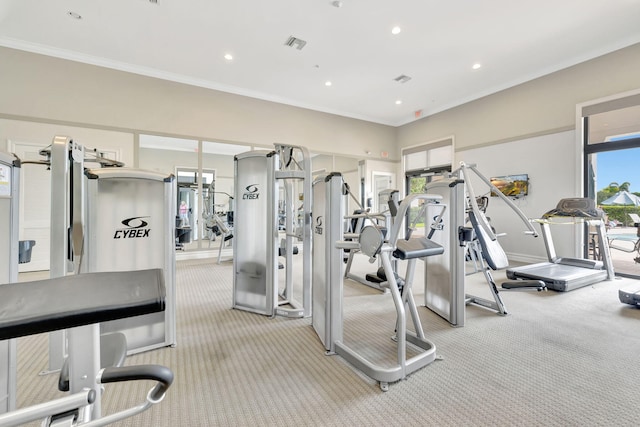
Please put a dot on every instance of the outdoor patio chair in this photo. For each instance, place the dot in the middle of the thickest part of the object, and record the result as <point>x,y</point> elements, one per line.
<point>612,237</point>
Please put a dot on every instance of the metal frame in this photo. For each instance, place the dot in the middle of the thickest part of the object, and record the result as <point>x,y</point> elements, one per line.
<point>258,176</point>
<point>384,218</point>
<point>69,214</point>
<point>445,285</point>
<point>328,319</point>
<point>83,405</point>
<point>61,156</point>
<point>328,205</point>
<point>123,200</point>
<point>444,276</point>
<point>295,165</point>
<point>9,213</point>
<point>255,263</point>
<point>360,222</point>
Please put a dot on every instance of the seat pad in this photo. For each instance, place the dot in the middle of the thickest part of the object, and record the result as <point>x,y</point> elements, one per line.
<point>46,305</point>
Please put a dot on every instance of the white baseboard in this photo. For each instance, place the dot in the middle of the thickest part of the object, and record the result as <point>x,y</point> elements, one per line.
<point>525,259</point>
<point>185,255</point>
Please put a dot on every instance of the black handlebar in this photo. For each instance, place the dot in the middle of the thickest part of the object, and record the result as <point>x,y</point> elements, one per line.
<point>159,373</point>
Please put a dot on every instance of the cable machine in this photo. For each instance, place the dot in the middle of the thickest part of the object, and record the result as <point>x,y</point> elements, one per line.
<point>328,321</point>
<point>445,276</point>
<point>268,207</point>
<point>84,239</point>
<point>79,219</point>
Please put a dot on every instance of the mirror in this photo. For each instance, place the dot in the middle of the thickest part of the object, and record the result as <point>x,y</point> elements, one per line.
<point>204,171</point>
<point>204,176</point>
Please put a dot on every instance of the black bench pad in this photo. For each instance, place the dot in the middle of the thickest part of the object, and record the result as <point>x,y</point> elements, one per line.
<point>416,248</point>
<point>47,305</point>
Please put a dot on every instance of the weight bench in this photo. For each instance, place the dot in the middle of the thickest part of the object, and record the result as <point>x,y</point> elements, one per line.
<point>81,302</point>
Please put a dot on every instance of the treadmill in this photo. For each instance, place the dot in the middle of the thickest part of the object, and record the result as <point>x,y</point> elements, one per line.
<point>630,295</point>
<point>566,274</point>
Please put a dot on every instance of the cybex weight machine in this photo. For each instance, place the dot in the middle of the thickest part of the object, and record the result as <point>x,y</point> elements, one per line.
<point>328,322</point>
<point>111,219</point>
<point>445,292</point>
<point>268,207</point>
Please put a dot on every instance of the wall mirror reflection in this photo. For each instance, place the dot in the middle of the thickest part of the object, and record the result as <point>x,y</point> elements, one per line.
<point>204,172</point>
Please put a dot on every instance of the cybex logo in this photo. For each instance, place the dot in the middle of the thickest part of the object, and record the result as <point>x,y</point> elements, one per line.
<point>252,192</point>
<point>318,227</point>
<point>135,228</point>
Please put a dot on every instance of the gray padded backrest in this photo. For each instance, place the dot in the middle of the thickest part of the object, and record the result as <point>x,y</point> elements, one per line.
<point>492,252</point>
<point>65,302</point>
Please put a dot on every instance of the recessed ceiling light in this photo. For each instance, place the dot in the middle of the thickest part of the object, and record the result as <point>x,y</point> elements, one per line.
<point>228,56</point>
<point>74,15</point>
<point>476,66</point>
<point>398,101</point>
<point>327,83</point>
<point>396,30</point>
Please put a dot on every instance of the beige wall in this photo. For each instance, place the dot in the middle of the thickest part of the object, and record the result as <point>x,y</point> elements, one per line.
<point>45,88</point>
<point>61,93</point>
<point>542,106</point>
<point>42,134</point>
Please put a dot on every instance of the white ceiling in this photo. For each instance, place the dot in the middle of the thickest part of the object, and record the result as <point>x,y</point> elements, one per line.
<point>351,46</point>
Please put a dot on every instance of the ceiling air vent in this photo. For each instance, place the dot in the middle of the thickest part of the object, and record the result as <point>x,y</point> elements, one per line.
<point>402,78</point>
<point>295,42</point>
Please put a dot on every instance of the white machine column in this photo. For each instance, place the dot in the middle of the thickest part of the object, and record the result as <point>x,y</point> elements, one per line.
<point>255,260</point>
<point>130,225</point>
<point>444,275</point>
<point>9,192</point>
<point>328,210</point>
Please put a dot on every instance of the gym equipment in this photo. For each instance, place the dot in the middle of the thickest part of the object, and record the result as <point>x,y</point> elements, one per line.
<point>445,276</point>
<point>80,302</point>
<point>129,221</point>
<point>264,182</point>
<point>566,274</point>
<point>65,159</point>
<point>9,203</point>
<point>444,290</point>
<point>630,295</point>
<point>327,321</point>
<point>218,223</point>
<point>357,221</point>
<point>225,230</point>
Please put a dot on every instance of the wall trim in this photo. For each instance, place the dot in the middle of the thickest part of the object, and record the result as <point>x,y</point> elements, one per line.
<point>516,138</point>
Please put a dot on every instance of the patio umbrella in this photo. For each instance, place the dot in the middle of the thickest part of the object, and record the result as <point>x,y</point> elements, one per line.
<point>623,198</point>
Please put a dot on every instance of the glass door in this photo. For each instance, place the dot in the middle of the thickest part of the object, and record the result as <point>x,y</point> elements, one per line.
<point>415,182</point>
<point>612,178</point>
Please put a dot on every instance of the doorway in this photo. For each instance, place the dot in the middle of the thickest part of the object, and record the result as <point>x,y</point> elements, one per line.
<point>196,196</point>
<point>416,182</point>
<point>612,152</point>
